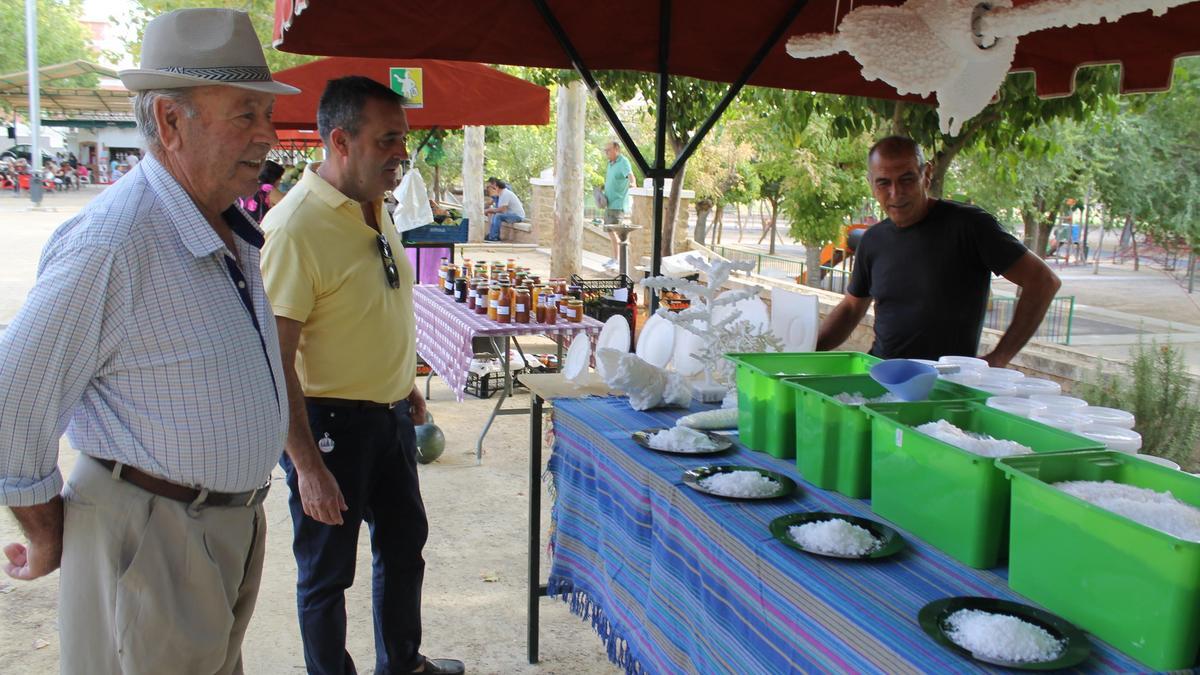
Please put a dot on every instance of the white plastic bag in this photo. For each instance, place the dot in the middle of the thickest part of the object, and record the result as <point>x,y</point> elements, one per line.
<point>412,203</point>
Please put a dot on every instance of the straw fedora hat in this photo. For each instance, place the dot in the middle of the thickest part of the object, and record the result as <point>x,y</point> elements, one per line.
<point>198,47</point>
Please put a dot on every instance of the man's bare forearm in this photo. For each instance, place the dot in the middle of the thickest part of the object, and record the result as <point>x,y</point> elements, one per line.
<point>42,523</point>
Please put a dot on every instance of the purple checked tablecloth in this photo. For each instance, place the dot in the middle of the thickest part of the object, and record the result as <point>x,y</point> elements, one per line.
<point>445,329</point>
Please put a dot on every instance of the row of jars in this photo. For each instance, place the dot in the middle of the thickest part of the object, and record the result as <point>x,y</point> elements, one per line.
<point>509,271</point>
<point>504,302</point>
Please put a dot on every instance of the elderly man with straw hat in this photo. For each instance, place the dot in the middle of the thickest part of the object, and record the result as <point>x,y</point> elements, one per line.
<point>148,338</point>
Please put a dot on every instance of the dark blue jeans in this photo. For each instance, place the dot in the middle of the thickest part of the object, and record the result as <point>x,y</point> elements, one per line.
<point>374,462</point>
<point>499,219</point>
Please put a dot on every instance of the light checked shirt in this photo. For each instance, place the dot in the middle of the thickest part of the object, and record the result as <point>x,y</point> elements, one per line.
<point>137,341</point>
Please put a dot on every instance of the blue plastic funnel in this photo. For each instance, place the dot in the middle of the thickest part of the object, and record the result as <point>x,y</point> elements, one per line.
<point>907,380</point>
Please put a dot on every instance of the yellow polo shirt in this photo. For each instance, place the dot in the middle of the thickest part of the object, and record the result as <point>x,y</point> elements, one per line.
<point>321,266</point>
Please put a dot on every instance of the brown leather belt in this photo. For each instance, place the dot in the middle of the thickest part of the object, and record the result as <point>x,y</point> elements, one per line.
<point>350,403</point>
<point>182,493</point>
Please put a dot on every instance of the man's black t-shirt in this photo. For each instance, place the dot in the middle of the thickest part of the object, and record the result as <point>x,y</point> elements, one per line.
<point>930,280</point>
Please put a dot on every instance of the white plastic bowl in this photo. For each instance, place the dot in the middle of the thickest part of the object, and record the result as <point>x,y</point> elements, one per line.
<point>1015,405</point>
<point>1062,422</point>
<point>1113,417</point>
<point>965,362</point>
<point>1161,460</point>
<point>1006,374</point>
<point>1115,438</point>
<point>1036,386</point>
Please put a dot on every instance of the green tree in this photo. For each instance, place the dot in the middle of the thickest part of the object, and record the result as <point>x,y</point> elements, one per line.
<point>1002,124</point>
<point>61,37</point>
<point>262,15</point>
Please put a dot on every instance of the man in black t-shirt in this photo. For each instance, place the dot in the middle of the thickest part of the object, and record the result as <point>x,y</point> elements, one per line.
<point>928,267</point>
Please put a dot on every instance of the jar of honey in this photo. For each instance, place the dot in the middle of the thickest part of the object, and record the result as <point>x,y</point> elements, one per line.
<point>504,303</point>
<point>521,305</point>
<point>551,316</point>
<point>493,304</point>
<point>574,310</point>
<point>481,296</point>
<point>472,293</point>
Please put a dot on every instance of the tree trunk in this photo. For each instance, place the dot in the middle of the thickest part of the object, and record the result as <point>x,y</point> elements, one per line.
<point>702,212</point>
<point>1087,222</point>
<point>812,265</point>
<point>472,177</point>
<point>774,229</point>
<point>1100,246</point>
<point>671,211</point>
<point>718,225</point>
<point>899,128</point>
<point>1043,237</point>
<point>1029,220</point>
<point>566,248</point>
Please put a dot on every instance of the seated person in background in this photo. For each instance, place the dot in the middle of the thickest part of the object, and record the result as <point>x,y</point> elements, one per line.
<point>508,208</point>
<point>440,215</point>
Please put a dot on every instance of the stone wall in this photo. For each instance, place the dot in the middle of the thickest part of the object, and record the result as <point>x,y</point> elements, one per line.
<point>540,209</point>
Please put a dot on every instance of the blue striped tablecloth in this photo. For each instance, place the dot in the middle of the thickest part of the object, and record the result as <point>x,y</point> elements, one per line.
<point>678,581</point>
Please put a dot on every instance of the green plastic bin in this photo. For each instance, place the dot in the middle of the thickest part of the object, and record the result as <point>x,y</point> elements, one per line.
<point>951,498</point>
<point>766,407</point>
<point>1132,586</point>
<point>833,439</point>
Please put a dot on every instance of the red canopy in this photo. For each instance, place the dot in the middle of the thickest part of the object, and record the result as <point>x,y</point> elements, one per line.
<point>710,39</point>
<point>455,93</point>
<point>292,139</point>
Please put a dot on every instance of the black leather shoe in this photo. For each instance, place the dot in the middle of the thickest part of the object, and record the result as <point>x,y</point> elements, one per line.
<point>442,667</point>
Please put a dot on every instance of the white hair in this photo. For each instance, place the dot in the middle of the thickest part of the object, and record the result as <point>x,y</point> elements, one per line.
<point>143,111</point>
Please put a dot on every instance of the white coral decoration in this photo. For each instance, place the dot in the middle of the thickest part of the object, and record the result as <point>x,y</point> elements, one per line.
<point>960,50</point>
<point>647,386</point>
<point>726,335</point>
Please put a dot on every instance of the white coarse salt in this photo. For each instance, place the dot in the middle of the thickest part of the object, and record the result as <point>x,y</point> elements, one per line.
<point>1002,637</point>
<point>1159,510</point>
<point>681,439</point>
<point>835,536</point>
<point>979,444</point>
<point>740,484</point>
<point>859,398</point>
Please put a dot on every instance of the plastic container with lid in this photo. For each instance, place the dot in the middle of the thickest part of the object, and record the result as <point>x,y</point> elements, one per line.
<point>965,362</point>
<point>1056,420</point>
<point>1036,386</point>
<point>1115,438</point>
<point>966,377</point>
<point>1059,404</point>
<point>1004,374</point>
<point>1015,405</point>
<point>1109,416</point>
<point>996,387</point>
<point>1161,461</point>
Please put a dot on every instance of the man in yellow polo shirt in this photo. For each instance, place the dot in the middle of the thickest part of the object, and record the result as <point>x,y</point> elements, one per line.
<point>341,290</point>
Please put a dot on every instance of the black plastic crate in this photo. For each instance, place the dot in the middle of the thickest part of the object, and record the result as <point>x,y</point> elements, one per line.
<point>602,307</point>
<point>484,386</point>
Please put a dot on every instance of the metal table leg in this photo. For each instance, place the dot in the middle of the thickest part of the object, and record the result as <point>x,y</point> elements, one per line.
<point>503,395</point>
<point>536,589</point>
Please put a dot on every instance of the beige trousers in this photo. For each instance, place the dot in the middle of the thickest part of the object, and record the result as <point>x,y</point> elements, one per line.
<point>149,587</point>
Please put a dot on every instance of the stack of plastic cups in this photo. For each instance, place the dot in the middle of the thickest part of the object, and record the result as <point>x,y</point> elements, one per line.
<point>1000,381</point>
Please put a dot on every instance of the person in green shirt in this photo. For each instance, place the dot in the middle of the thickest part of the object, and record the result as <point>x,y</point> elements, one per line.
<point>617,181</point>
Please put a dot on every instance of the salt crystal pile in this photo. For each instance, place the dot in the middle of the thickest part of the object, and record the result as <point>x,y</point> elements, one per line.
<point>1001,637</point>
<point>1159,510</point>
<point>979,444</point>
<point>835,536</point>
<point>740,484</point>
<point>858,398</point>
<point>681,439</point>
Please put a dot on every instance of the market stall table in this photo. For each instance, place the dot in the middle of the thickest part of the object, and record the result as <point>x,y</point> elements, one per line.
<point>446,330</point>
<point>678,581</point>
